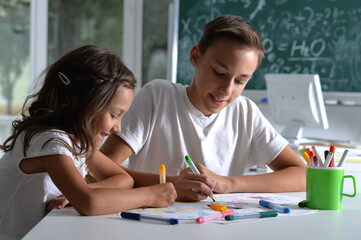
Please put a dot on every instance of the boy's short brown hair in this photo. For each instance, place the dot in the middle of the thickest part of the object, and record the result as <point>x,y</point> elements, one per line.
<point>235,27</point>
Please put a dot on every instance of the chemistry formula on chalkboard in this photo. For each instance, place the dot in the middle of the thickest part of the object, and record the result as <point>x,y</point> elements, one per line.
<point>322,37</point>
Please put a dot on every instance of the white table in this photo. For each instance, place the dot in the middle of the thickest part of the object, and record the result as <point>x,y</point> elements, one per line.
<point>337,224</point>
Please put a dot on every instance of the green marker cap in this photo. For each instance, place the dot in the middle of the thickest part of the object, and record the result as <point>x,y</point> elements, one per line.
<point>229,217</point>
<point>302,204</point>
<point>268,214</point>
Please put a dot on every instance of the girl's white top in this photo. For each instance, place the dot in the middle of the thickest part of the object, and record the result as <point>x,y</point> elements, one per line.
<point>24,197</point>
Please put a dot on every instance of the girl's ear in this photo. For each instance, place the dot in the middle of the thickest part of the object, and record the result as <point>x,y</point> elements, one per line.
<point>194,55</point>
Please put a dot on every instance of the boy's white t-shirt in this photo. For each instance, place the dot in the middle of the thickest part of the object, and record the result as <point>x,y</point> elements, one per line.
<point>162,126</point>
<point>24,197</point>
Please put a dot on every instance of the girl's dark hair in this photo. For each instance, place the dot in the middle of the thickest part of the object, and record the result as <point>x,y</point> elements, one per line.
<point>94,76</point>
<point>235,27</point>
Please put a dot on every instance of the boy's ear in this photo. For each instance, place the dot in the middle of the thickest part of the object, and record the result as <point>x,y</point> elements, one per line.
<point>194,56</point>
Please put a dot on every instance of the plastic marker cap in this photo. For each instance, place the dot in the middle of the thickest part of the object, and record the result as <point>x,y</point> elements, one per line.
<point>268,214</point>
<point>217,207</point>
<point>191,164</point>
<point>302,204</point>
<point>162,175</point>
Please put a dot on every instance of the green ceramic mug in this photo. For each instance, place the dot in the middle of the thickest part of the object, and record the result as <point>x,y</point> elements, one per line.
<point>324,187</point>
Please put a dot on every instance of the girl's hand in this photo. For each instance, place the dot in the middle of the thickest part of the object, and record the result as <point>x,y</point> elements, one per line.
<point>163,194</point>
<point>60,202</point>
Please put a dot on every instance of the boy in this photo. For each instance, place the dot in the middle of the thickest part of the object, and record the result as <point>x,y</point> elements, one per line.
<point>224,133</point>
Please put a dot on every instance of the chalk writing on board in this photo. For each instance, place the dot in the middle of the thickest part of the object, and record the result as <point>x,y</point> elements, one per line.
<point>306,36</point>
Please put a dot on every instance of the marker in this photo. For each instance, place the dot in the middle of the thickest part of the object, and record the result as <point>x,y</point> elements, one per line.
<point>137,216</point>
<point>217,207</point>
<point>274,206</point>
<point>162,173</point>
<point>302,204</point>
<point>215,216</point>
<point>315,161</point>
<point>191,164</point>
<point>305,156</point>
<point>344,155</point>
<point>325,154</point>
<point>229,206</point>
<point>317,155</point>
<point>310,156</point>
<point>194,169</point>
<point>332,149</point>
<point>328,159</point>
<point>256,215</point>
<point>233,206</point>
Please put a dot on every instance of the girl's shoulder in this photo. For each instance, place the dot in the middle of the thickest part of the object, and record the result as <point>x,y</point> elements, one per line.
<point>48,143</point>
<point>49,135</point>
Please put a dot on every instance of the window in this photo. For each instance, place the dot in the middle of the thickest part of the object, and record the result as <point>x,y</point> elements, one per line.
<point>155,35</point>
<point>50,28</point>
<point>14,55</point>
<point>74,23</point>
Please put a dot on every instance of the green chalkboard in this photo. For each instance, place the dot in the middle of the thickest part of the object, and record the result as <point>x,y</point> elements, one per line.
<point>307,36</point>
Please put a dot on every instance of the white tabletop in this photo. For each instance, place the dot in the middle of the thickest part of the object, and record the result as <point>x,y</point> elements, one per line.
<point>337,224</point>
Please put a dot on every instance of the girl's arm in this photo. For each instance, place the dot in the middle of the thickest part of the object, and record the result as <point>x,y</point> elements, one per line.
<point>289,176</point>
<point>107,173</point>
<point>94,201</point>
<point>102,173</point>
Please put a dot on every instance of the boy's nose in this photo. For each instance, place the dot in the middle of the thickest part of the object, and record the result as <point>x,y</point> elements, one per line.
<point>226,87</point>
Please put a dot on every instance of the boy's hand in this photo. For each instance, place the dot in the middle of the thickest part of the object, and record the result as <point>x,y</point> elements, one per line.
<point>191,186</point>
<point>60,202</point>
<point>222,183</point>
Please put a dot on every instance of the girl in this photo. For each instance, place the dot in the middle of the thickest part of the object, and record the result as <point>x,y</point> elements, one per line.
<point>84,96</point>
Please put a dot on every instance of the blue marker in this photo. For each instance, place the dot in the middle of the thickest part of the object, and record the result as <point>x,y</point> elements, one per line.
<point>274,206</point>
<point>137,216</point>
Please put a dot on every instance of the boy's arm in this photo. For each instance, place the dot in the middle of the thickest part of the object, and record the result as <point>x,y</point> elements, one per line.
<point>289,176</point>
<point>189,186</point>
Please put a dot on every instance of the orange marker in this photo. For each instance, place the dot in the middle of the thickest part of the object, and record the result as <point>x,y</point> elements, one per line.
<point>217,207</point>
<point>162,175</point>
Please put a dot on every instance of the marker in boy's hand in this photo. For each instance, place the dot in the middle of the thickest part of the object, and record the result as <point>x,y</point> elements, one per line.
<point>192,186</point>
<point>194,169</point>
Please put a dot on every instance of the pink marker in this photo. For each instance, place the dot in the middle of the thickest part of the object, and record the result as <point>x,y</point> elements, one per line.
<point>310,156</point>
<point>215,216</point>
